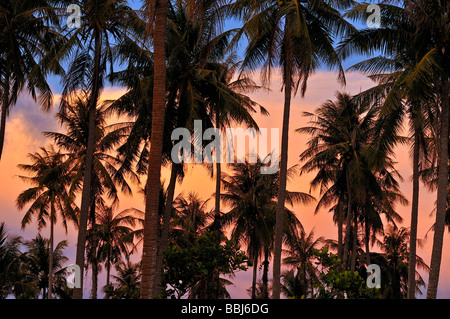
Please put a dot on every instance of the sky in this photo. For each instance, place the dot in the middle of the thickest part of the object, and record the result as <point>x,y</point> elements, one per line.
<point>27,122</point>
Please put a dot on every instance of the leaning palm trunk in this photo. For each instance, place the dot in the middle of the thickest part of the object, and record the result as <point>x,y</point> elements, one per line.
<point>87,179</point>
<point>279,219</point>
<point>149,255</point>
<point>438,239</point>
<point>414,219</point>
<point>167,215</point>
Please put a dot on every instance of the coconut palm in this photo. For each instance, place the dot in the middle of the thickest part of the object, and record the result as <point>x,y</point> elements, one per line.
<point>423,78</point>
<point>295,36</point>
<point>115,235</point>
<point>9,260</point>
<point>300,256</point>
<point>28,40</point>
<point>89,50</point>
<point>107,179</point>
<point>251,197</point>
<point>340,149</point>
<point>394,263</point>
<point>37,259</point>
<point>128,280</point>
<point>195,81</point>
<point>157,13</point>
<point>49,195</point>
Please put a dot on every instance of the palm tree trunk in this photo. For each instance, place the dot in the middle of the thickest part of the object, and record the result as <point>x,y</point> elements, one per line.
<point>279,219</point>
<point>355,242</point>
<point>50,251</point>
<point>367,241</point>
<point>87,178</point>
<point>255,270</point>
<point>108,271</point>
<point>93,256</point>
<point>340,229</point>
<point>438,239</point>
<point>348,223</point>
<point>94,280</point>
<point>165,225</point>
<point>149,254</point>
<point>265,276</point>
<point>4,110</point>
<point>414,219</point>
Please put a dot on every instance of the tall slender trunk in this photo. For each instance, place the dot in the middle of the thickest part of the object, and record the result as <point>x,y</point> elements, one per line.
<point>94,280</point>
<point>438,239</point>
<point>93,257</point>
<point>108,271</point>
<point>218,186</point>
<point>279,222</point>
<point>414,219</point>
<point>355,242</point>
<point>255,270</point>
<point>348,222</point>
<point>87,178</point>
<point>265,276</point>
<point>340,229</point>
<point>217,224</point>
<point>165,226</point>
<point>279,219</point>
<point>4,110</point>
<point>50,251</point>
<point>367,241</point>
<point>149,254</point>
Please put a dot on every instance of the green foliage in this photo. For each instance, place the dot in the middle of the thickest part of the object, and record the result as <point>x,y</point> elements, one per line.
<point>337,283</point>
<point>184,267</point>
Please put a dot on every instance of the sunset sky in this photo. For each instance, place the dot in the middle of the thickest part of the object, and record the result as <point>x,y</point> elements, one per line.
<point>27,121</point>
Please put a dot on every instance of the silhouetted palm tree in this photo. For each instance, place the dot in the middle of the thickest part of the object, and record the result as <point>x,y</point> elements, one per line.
<point>295,36</point>
<point>28,41</point>
<point>50,177</point>
<point>300,256</point>
<point>89,50</point>
<point>251,197</point>
<point>37,260</point>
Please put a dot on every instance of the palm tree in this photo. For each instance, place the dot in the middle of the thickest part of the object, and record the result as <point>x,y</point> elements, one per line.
<point>106,177</point>
<point>101,21</point>
<point>394,263</point>
<point>340,149</point>
<point>37,258</point>
<point>251,197</point>
<point>48,196</point>
<point>9,260</point>
<point>115,235</point>
<point>157,13</point>
<point>300,256</point>
<point>195,81</point>
<point>423,78</point>
<point>128,281</point>
<point>296,36</point>
<point>28,41</point>
<point>190,220</point>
